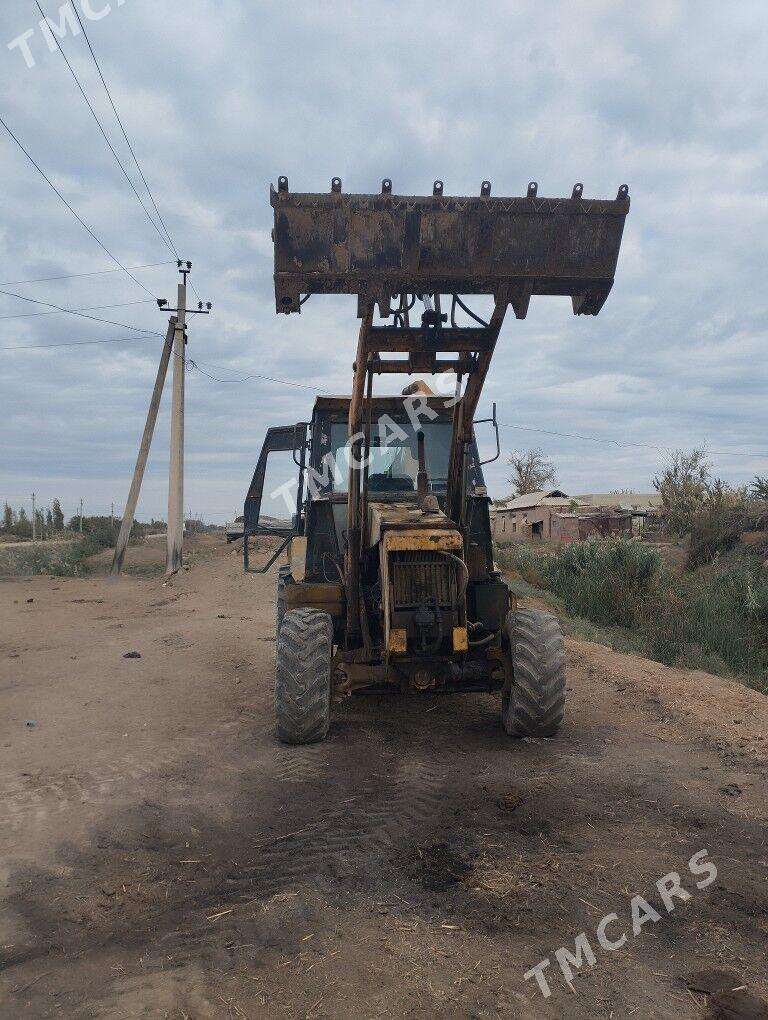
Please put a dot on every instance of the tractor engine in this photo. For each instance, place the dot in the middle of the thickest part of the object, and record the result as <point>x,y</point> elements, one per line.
<point>423,584</point>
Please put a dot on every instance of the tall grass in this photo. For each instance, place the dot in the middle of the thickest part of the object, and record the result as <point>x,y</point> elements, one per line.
<point>722,613</point>
<point>604,581</point>
<point>714,618</point>
<point>59,559</point>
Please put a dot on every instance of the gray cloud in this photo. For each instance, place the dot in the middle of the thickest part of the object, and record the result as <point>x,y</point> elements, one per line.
<point>666,96</point>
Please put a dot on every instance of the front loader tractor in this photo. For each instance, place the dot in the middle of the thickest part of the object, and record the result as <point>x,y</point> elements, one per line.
<point>380,501</point>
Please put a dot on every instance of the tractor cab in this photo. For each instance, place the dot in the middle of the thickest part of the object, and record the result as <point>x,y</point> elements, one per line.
<point>416,559</point>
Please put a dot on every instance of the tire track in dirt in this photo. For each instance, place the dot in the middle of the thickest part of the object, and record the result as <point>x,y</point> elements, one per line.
<point>228,865</point>
<point>22,804</point>
<point>363,821</point>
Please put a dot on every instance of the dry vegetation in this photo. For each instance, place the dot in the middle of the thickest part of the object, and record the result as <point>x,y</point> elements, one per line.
<point>712,616</point>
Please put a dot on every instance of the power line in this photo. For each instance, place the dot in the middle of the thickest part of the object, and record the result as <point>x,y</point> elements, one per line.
<point>74,311</point>
<point>618,442</point>
<point>106,137</point>
<point>505,425</point>
<point>130,146</point>
<point>574,435</point>
<point>82,315</point>
<point>81,343</point>
<point>77,216</point>
<point>125,135</point>
<point>78,276</point>
<point>247,378</point>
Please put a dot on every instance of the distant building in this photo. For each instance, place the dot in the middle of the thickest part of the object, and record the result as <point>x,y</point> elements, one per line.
<point>555,516</point>
<point>529,516</point>
<point>593,523</point>
<point>639,504</point>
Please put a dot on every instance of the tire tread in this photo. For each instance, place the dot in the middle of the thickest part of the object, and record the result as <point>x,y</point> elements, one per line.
<point>302,676</point>
<point>535,706</point>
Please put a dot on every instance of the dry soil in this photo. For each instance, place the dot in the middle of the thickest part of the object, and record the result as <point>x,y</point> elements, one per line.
<point>163,857</point>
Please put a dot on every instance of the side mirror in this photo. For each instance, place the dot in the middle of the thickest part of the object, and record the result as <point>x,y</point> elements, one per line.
<point>491,421</point>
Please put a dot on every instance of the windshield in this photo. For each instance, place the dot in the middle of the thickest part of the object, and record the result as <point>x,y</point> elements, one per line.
<point>394,458</point>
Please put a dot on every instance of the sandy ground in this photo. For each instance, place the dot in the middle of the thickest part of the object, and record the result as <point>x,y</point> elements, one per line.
<point>162,856</point>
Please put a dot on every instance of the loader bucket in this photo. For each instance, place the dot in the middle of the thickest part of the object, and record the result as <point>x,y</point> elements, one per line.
<point>377,246</point>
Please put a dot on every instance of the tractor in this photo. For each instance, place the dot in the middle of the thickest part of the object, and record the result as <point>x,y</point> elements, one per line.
<point>390,583</point>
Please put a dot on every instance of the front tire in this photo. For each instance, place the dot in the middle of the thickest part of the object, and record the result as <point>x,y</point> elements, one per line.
<point>536,704</point>
<point>303,676</point>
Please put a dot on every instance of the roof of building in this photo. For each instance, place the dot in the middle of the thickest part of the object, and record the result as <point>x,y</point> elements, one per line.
<point>642,501</point>
<point>595,513</point>
<point>554,497</point>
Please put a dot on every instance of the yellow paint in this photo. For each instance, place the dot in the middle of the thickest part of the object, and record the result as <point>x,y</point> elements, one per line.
<point>297,557</point>
<point>460,639</point>
<point>408,541</point>
<point>329,598</point>
<point>398,641</point>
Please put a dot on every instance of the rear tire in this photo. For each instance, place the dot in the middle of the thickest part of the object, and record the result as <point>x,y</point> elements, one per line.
<point>303,676</point>
<point>536,704</point>
<point>283,579</point>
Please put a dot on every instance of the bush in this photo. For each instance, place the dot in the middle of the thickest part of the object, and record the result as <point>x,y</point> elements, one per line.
<point>714,618</point>
<point>721,525</point>
<point>727,615</point>
<point>606,581</point>
<point>64,559</point>
<point>523,561</point>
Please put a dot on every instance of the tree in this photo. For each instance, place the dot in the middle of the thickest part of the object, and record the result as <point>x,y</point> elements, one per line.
<point>23,526</point>
<point>531,472</point>
<point>58,516</point>
<point>8,520</point>
<point>759,488</point>
<point>684,487</point>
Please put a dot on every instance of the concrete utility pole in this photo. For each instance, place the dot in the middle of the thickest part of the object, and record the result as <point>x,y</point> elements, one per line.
<point>141,461</point>
<point>175,343</point>
<point>175,553</point>
<point>174,556</point>
<point>34,519</point>
<point>81,516</point>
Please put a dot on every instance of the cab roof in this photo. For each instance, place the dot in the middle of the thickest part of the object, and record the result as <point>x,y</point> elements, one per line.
<point>388,405</point>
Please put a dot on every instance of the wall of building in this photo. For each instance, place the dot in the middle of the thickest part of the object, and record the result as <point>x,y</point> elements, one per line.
<point>552,524</point>
<point>568,528</point>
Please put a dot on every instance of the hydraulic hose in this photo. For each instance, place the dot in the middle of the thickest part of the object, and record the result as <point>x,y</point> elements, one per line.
<point>465,575</point>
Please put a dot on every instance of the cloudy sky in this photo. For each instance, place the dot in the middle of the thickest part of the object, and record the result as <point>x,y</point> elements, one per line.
<point>219,98</point>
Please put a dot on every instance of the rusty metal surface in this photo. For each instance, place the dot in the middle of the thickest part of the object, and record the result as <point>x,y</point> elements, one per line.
<point>377,246</point>
<point>407,517</point>
<point>419,576</point>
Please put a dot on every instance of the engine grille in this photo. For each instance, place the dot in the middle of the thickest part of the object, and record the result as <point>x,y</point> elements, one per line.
<point>421,576</point>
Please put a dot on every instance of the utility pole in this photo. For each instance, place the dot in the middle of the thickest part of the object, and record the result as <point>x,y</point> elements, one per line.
<point>112,517</point>
<point>34,519</point>
<point>175,342</point>
<point>81,516</point>
<point>141,461</point>
<point>175,554</point>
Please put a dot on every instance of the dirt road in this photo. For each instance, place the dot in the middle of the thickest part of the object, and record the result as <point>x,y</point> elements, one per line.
<point>162,856</point>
